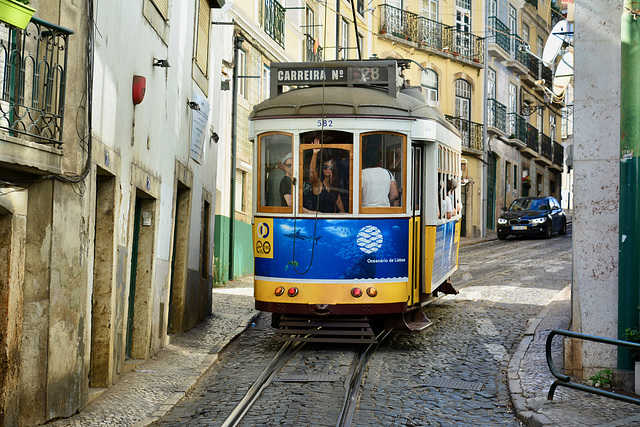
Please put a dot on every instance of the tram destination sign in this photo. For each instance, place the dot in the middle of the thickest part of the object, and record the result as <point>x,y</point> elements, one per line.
<point>340,73</point>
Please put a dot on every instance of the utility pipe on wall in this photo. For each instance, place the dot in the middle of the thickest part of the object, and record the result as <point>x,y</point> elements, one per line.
<point>629,246</point>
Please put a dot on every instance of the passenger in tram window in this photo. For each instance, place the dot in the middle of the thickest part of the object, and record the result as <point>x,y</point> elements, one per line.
<point>450,211</point>
<point>286,198</point>
<point>325,194</point>
<point>274,197</point>
<point>379,187</point>
<point>454,196</point>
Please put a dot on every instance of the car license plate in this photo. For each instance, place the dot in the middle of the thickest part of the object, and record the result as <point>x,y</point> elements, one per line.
<point>518,227</point>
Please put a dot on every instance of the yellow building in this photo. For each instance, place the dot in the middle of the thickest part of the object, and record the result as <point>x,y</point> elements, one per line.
<point>444,41</point>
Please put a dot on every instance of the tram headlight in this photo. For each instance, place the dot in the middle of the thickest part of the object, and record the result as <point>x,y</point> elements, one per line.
<point>279,291</point>
<point>372,292</point>
<point>356,292</point>
<point>292,292</point>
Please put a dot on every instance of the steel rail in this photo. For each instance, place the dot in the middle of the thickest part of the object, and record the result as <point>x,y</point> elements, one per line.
<point>354,382</point>
<point>286,352</point>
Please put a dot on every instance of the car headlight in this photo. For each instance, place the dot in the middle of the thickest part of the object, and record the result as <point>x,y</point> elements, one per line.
<point>502,221</point>
<point>538,220</point>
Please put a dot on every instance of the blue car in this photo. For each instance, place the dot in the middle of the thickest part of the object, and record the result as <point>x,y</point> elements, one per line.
<point>532,216</point>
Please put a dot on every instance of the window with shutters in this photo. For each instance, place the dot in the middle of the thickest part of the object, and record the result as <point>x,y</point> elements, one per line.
<point>202,37</point>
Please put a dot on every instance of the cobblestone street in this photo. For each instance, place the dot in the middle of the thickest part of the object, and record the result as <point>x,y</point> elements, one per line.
<point>452,374</point>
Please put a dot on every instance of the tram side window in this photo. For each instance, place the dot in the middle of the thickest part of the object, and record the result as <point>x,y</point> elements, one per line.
<point>382,170</point>
<point>275,172</point>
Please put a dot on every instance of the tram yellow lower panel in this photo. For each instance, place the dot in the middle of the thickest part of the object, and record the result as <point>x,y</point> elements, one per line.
<point>331,293</point>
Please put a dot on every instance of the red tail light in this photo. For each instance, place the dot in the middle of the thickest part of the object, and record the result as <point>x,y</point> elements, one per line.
<point>292,292</point>
<point>356,292</point>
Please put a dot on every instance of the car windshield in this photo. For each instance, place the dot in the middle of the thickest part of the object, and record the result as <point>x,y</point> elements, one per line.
<point>529,205</point>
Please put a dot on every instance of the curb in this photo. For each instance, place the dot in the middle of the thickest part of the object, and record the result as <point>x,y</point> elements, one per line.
<point>524,413</point>
<point>190,382</point>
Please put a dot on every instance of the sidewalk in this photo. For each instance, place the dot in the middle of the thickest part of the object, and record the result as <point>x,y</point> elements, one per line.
<point>529,380</point>
<point>145,394</point>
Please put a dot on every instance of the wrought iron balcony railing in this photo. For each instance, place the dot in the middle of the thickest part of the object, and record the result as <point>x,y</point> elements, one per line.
<point>546,148</point>
<point>522,56</point>
<point>471,132</point>
<point>558,154</point>
<point>272,19</point>
<point>426,32</point>
<point>33,75</point>
<point>399,23</point>
<point>533,3</point>
<point>467,45</point>
<point>430,33</point>
<point>313,52</point>
<point>497,115</point>
<point>532,138</point>
<point>499,33</point>
<point>517,127</point>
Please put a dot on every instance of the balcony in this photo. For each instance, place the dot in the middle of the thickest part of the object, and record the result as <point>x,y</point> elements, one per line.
<point>430,33</point>
<point>496,117</point>
<point>33,76</point>
<point>432,36</point>
<point>517,130</point>
<point>558,157</point>
<point>498,43</point>
<point>538,71</point>
<point>471,135</point>
<point>533,3</point>
<point>398,23</point>
<point>272,19</point>
<point>546,149</point>
<point>313,51</point>
<point>518,62</point>
<point>531,149</point>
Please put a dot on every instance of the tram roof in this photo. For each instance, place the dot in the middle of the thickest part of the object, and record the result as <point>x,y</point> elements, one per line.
<point>340,101</point>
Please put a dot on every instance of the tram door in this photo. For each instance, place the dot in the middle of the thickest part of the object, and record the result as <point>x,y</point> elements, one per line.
<point>417,241</point>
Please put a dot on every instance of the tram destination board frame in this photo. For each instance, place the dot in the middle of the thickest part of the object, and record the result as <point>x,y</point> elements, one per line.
<point>379,74</point>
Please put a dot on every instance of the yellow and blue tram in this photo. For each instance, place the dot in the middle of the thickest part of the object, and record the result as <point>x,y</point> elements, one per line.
<point>356,208</point>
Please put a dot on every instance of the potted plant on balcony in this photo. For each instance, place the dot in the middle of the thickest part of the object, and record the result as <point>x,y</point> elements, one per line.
<point>16,13</point>
<point>526,185</point>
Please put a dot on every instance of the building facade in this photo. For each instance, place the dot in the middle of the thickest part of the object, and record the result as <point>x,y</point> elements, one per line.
<point>106,198</point>
<point>523,116</point>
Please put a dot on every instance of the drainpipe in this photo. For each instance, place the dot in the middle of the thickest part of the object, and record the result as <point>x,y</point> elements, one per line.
<point>234,118</point>
<point>484,189</point>
<point>629,249</point>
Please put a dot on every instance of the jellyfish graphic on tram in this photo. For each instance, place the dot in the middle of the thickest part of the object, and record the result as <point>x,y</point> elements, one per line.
<point>356,207</point>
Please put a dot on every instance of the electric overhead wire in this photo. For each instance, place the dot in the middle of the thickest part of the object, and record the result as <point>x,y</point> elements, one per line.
<point>322,116</point>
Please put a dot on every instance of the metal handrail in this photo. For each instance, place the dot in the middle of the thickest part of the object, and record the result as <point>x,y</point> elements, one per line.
<point>565,380</point>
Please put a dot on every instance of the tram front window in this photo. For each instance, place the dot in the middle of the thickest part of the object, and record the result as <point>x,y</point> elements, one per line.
<point>325,172</point>
<point>382,171</point>
<point>275,174</point>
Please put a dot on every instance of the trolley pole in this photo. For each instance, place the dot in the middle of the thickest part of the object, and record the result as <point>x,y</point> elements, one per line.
<point>629,249</point>
<point>234,118</point>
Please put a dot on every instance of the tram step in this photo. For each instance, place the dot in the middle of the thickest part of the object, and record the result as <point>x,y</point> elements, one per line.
<point>309,330</point>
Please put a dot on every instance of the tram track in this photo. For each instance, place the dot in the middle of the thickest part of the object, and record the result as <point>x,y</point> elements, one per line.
<point>352,382</point>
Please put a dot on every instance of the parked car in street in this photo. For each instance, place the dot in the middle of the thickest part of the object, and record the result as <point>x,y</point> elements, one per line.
<point>532,216</point>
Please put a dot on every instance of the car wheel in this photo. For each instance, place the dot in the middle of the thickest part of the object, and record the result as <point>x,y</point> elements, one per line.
<point>501,236</point>
<point>563,228</point>
<point>548,230</point>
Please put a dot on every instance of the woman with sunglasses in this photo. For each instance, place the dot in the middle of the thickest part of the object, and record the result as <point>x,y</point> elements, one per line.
<point>325,195</point>
<point>285,183</point>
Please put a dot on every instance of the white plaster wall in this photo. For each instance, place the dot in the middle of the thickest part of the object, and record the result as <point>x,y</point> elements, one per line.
<point>157,132</point>
<point>596,176</point>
